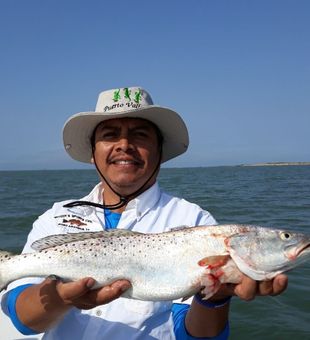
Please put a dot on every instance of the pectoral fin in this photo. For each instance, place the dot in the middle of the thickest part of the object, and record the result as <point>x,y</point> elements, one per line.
<point>211,280</point>
<point>214,261</point>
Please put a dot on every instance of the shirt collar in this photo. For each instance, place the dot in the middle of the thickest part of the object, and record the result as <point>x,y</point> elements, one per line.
<point>145,202</point>
<point>140,205</point>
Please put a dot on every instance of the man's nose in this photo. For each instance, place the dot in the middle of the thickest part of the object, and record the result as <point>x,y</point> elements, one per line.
<point>124,144</point>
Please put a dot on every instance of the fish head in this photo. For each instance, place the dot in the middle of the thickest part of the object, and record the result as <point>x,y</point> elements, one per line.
<point>263,253</point>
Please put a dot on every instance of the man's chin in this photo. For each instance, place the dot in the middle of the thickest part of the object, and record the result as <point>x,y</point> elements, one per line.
<point>126,187</point>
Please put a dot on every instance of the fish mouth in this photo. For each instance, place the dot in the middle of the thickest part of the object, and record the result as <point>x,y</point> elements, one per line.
<point>303,249</point>
<point>297,252</point>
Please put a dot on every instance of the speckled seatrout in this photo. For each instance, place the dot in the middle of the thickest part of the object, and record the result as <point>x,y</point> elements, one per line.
<point>162,266</point>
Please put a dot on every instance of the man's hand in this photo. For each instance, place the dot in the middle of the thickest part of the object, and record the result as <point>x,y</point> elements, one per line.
<point>209,322</point>
<point>79,293</point>
<point>41,306</point>
<point>248,288</point>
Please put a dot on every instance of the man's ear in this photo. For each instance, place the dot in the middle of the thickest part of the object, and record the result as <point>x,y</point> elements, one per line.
<point>92,160</point>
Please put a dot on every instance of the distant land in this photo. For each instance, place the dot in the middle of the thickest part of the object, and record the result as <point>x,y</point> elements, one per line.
<point>277,164</point>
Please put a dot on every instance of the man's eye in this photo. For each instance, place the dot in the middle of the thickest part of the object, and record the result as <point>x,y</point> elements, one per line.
<point>109,135</point>
<point>142,134</point>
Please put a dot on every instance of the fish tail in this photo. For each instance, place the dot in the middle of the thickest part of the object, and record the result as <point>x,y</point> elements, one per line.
<point>4,256</point>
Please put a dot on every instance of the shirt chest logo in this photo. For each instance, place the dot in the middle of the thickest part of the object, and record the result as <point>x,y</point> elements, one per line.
<point>73,221</point>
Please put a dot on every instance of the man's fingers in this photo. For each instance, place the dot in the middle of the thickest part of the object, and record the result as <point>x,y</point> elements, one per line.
<point>273,287</point>
<point>265,288</point>
<point>280,283</point>
<point>113,291</point>
<point>71,291</point>
<point>80,293</point>
<point>247,289</point>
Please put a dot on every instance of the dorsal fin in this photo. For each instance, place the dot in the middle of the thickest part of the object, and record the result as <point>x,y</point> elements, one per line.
<point>60,239</point>
<point>180,227</point>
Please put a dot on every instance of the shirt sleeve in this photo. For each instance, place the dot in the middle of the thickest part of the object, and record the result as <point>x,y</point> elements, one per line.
<point>179,311</point>
<point>205,218</point>
<point>10,309</point>
<point>42,227</point>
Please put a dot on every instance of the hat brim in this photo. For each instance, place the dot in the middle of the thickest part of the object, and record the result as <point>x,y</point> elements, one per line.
<point>79,128</point>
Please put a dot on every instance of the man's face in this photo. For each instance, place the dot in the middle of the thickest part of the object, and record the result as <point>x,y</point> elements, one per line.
<point>126,153</point>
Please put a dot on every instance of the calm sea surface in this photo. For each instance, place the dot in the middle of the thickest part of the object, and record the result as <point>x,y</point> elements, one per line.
<point>271,196</point>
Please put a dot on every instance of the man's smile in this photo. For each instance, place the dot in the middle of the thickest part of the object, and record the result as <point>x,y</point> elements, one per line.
<point>126,161</point>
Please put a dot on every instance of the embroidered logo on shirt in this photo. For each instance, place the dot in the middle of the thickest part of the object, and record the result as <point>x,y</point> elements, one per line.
<point>73,221</point>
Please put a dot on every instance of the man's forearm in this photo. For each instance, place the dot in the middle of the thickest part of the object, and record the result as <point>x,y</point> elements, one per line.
<point>202,321</point>
<point>39,307</point>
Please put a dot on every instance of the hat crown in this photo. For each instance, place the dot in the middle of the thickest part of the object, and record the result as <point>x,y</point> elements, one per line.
<point>123,99</point>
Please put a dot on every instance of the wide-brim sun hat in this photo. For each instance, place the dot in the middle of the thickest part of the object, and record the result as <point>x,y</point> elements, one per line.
<point>128,102</point>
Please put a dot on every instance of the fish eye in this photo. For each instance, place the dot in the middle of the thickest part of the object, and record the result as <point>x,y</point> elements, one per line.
<point>285,235</point>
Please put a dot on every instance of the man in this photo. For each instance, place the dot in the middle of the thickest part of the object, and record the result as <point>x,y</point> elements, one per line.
<point>127,138</point>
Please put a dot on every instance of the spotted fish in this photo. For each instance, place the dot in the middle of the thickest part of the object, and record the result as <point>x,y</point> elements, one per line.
<point>162,266</point>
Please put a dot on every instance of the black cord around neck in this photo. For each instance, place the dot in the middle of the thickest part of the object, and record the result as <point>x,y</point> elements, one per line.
<point>123,201</point>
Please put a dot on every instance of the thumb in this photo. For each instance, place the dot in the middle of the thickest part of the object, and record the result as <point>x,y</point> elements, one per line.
<point>72,290</point>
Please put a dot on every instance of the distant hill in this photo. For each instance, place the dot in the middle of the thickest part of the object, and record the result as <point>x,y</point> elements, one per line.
<point>277,164</point>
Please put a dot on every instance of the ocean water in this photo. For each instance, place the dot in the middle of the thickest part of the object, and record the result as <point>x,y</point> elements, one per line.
<point>272,196</point>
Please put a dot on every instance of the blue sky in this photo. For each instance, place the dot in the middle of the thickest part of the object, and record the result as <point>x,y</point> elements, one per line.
<point>237,71</point>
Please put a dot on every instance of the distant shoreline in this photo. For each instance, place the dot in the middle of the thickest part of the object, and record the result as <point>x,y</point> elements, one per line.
<point>277,164</point>
<point>172,167</point>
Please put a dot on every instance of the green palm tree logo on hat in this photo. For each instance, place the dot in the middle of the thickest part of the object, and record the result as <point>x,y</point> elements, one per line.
<point>116,95</point>
<point>138,96</point>
<point>127,93</point>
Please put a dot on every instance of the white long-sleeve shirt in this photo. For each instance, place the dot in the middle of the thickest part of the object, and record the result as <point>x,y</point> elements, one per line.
<point>151,212</point>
